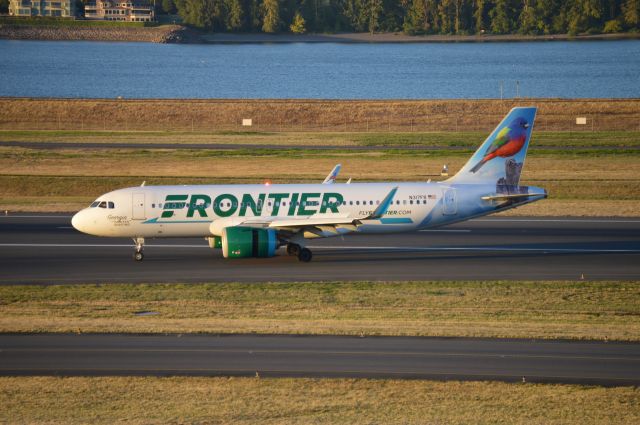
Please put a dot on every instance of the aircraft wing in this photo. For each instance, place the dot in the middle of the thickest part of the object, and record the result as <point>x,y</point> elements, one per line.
<point>320,226</point>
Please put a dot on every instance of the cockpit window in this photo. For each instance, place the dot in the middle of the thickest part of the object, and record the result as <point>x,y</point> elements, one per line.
<point>102,204</point>
<point>95,204</point>
<point>111,205</point>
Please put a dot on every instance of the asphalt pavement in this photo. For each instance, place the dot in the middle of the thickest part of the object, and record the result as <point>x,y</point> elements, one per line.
<point>577,362</point>
<point>44,249</point>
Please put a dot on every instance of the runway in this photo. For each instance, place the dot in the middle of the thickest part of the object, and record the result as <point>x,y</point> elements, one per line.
<point>597,363</point>
<point>45,249</point>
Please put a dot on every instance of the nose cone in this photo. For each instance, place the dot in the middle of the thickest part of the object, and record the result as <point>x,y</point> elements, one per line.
<point>78,221</point>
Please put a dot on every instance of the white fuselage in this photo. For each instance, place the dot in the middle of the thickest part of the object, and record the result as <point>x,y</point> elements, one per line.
<point>188,211</point>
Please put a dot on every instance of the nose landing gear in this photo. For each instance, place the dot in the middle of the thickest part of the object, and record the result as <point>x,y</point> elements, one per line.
<point>138,255</point>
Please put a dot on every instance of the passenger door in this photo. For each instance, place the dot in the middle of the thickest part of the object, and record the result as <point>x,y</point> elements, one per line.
<point>138,212</point>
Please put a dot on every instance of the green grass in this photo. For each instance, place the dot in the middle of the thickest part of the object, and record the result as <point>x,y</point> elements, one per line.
<point>561,309</point>
<point>602,139</point>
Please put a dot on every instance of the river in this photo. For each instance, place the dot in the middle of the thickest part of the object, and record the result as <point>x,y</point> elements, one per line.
<point>582,69</point>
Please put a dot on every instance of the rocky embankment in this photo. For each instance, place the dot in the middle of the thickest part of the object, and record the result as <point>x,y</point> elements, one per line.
<point>160,34</point>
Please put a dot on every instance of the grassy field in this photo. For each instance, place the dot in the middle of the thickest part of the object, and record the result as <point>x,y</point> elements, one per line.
<point>577,310</point>
<point>310,115</point>
<point>604,181</point>
<point>140,400</point>
<point>440,139</point>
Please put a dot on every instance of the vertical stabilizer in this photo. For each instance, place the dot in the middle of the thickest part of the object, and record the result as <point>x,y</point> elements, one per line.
<point>500,158</point>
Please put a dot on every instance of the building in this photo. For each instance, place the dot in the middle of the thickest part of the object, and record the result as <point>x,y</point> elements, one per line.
<point>120,10</point>
<point>60,8</point>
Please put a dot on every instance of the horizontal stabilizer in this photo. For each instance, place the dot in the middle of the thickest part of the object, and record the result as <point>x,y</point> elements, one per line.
<point>507,197</point>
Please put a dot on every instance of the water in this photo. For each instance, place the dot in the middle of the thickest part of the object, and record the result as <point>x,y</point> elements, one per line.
<point>585,69</point>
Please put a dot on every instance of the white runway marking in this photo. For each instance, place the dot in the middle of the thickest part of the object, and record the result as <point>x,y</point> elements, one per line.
<point>35,216</point>
<point>482,248</point>
<point>447,230</point>
<point>556,220</point>
<point>346,247</point>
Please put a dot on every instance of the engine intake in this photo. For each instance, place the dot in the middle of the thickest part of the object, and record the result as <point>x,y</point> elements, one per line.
<point>243,242</point>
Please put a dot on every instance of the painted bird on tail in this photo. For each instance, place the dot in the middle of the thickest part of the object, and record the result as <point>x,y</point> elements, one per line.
<point>508,142</point>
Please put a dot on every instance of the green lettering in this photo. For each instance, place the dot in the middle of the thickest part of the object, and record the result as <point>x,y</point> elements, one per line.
<point>247,201</point>
<point>168,205</point>
<point>195,206</point>
<point>292,204</point>
<point>277,198</point>
<point>217,205</point>
<point>330,200</point>
<point>304,200</point>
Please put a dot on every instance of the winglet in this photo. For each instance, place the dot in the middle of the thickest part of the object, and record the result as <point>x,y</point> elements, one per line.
<point>333,175</point>
<point>384,206</point>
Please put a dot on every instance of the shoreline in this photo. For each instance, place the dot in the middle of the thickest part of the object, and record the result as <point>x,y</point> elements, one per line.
<point>398,37</point>
<point>184,35</point>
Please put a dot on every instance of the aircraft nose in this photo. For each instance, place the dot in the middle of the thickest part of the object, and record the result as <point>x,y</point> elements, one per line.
<point>78,221</point>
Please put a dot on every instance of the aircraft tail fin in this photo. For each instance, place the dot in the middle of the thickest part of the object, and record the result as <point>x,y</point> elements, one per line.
<point>501,156</point>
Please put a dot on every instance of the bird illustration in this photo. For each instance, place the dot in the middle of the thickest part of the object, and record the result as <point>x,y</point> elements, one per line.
<point>508,142</point>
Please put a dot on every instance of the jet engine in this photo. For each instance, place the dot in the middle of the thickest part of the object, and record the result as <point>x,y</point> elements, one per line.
<point>243,242</point>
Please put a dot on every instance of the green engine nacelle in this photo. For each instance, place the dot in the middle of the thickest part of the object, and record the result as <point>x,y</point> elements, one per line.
<point>243,242</point>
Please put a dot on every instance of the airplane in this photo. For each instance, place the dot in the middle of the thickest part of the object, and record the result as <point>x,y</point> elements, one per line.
<point>255,220</point>
<point>333,175</point>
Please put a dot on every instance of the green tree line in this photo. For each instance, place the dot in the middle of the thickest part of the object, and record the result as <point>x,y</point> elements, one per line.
<point>411,16</point>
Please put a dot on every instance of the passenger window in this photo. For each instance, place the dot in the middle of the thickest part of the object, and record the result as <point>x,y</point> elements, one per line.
<point>404,202</point>
<point>111,205</point>
<point>411,202</point>
<point>350,202</point>
<point>357,202</point>
<point>370,202</point>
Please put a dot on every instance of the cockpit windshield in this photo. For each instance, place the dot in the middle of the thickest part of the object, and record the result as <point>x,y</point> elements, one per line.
<point>103,204</point>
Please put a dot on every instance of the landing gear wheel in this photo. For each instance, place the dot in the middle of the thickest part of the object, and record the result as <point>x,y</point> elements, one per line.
<point>305,255</point>
<point>138,255</point>
<point>293,249</point>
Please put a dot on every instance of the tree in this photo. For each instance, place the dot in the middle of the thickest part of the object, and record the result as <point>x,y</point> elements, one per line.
<point>480,16</point>
<point>501,17</point>
<point>374,12</point>
<point>631,13</point>
<point>298,24</point>
<point>234,19</point>
<point>271,21</point>
<point>4,6</point>
<point>415,18</point>
<point>168,7</point>
<point>527,19</point>
<point>612,26</point>
<point>205,14</point>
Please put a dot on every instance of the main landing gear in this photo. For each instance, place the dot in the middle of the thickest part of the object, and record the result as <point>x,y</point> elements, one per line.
<point>303,254</point>
<point>138,255</point>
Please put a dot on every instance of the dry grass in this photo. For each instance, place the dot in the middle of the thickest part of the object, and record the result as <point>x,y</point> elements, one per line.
<point>308,115</point>
<point>148,400</point>
<point>33,180</point>
<point>578,310</point>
